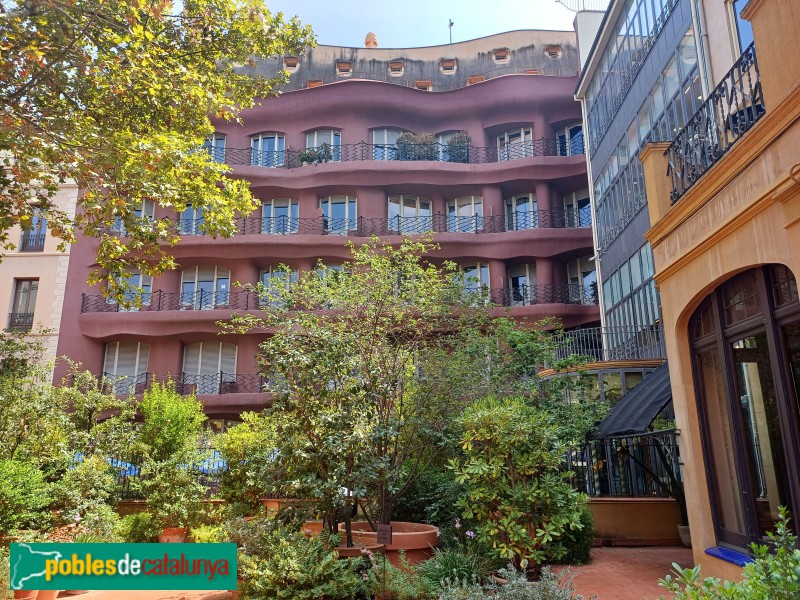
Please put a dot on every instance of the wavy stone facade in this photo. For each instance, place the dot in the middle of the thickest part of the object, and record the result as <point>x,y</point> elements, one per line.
<point>509,203</point>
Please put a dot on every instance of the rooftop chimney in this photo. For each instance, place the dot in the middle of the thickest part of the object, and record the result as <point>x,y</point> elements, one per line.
<point>371,41</point>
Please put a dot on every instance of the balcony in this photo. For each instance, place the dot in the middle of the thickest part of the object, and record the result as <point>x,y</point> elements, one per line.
<point>20,321</point>
<point>362,151</point>
<point>32,242</point>
<point>397,225</point>
<point>603,344</point>
<point>200,385</point>
<point>730,111</point>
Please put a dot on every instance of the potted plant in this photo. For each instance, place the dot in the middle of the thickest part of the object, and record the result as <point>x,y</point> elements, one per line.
<point>458,147</point>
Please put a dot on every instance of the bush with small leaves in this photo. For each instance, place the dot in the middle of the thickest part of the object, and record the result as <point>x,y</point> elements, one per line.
<point>138,528</point>
<point>24,495</point>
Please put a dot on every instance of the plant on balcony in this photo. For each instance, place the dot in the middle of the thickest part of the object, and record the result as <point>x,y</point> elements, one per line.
<point>458,147</point>
<point>315,156</point>
<point>415,147</point>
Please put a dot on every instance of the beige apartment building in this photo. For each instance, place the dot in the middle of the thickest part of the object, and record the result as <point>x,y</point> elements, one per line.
<point>33,277</point>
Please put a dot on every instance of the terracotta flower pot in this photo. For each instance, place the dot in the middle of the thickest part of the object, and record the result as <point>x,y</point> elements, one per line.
<point>358,550</point>
<point>173,535</point>
<point>416,539</point>
<point>47,595</point>
<point>25,594</point>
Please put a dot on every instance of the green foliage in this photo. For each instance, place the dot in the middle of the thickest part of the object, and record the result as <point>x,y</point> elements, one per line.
<point>173,492</point>
<point>248,449</point>
<point>513,489</point>
<point>84,497</point>
<point>549,586</point>
<point>574,547</point>
<point>172,423</point>
<point>430,498</point>
<point>453,564</point>
<point>416,147</point>
<point>387,582</point>
<point>773,575</point>
<point>276,563</point>
<point>208,534</point>
<point>139,528</point>
<point>454,589</point>
<point>117,96</point>
<point>315,156</point>
<point>24,495</point>
<point>458,147</point>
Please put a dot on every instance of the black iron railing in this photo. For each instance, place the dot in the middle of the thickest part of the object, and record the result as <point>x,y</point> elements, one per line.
<point>633,466</point>
<point>215,383</point>
<point>32,242</point>
<point>614,343</point>
<point>433,151</point>
<point>727,114</point>
<point>158,301</point>
<point>397,225</point>
<point>20,321</point>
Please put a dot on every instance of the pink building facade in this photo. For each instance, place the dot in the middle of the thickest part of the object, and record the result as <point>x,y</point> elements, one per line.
<point>344,154</point>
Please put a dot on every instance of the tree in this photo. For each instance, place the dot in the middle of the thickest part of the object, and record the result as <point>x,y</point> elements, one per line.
<point>116,95</point>
<point>352,361</point>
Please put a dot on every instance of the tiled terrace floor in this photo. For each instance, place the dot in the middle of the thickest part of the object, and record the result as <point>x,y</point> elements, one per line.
<point>614,574</point>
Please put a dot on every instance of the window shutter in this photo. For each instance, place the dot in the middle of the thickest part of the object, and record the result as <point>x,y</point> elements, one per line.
<point>191,359</point>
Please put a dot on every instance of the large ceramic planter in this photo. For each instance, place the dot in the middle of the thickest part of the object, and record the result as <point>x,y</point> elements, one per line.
<point>25,594</point>
<point>416,539</point>
<point>173,535</point>
<point>47,595</point>
<point>359,550</point>
<point>685,534</point>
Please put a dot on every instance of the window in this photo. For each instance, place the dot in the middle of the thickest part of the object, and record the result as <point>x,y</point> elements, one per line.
<point>141,288</point>
<point>215,146</point>
<point>344,69</point>
<point>743,26</point>
<point>209,368</point>
<point>410,214</point>
<point>291,64</point>
<point>516,143</point>
<point>448,66</point>
<point>746,353</point>
<point>473,79</point>
<point>125,367</point>
<point>578,210</point>
<point>146,209</point>
<point>267,150</point>
<point>205,287</point>
<point>280,216</point>
<point>191,221</point>
<point>33,238</point>
<point>500,55</point>
<point>328,140</point>
<point>276,283</point>
<point>453,146</point>
<point>522,212</point>
<point>23,304</point>
<point>384,143</point>
<point>582,281</point>
<point>522,280</point>
<point>474,279</point>
<point>569,140</point>
<point>424,85</point>
<point>465,215</point>
<point>396,68</point>
<point>553,51</point>
<point>338,214</point>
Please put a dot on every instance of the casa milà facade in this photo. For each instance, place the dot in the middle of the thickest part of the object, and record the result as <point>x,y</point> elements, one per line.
<point>479,142</point>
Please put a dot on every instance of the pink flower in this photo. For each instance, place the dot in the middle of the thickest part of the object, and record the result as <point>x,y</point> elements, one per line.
<point>458,524</point>
<point>470,534</point>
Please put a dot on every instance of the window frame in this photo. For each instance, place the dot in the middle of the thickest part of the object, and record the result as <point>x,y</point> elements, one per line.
<point>350,220</point>
<point>282,224</point>
<point>268,158</point>
<point>219,297</point>
<point>471,223</point>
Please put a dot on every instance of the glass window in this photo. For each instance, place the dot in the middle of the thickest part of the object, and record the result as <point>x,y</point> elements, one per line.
<point>141,287</point>
<point>326,141</point>
<point>276,283</point>
<point>267,150</point>
<point>209,367</point>
<point>24,303</point>
<point>146,209</point>
<point>743,26</point>
<point>475,281</point>
<point>384,143</point>
<point>191,221</point>
<point>280,216</point>
<point>125,366</point>
<point>521,212</point>
<point>516,143</point>
<point>410,214</point>
<point>465,215</point>
<point>205,287</point>
<point>339,214</point>
<point>215,146</point>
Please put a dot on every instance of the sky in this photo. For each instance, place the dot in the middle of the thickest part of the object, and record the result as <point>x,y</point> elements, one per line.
<point>411,23</point>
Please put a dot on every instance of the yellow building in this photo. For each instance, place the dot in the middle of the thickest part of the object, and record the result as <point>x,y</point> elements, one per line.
<point>724,204</point>
<point>33,277</point>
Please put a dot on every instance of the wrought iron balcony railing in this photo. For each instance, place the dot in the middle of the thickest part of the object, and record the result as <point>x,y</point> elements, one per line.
<point>32,242</point>
<point>397,225</point>
<point>215,383</point>
<point>20,321</point>
<point>158,301</point>
<point>614,343</point>
<point>633,466</point>
<point>734,106</point>
<point>433,151</point>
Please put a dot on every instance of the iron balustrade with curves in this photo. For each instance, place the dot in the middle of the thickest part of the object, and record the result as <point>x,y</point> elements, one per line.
<point>20,321</point>
<point>400,151</point>
<point>186,384</point>
<point>401,225</point>
<point>525,295</point>
<point>159,300</point>
<point>603,344</point>
<point>730,111</point>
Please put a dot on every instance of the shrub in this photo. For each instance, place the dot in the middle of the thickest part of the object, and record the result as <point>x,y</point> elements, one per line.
<point>138,528</point>
<point>86,489</point>
<point>461,590</point>
<point>387,582</point>
<point>458,147</point>
<point>549,586</point>
<point>574,547</point>
<point>277,563</point>
<point>771,576</point>
<point>208,534</point>
<point>513,489</point>
<point>430,498</point>
<point>173,492</point>
<point>172,422</point>
<point>454,564</point>
<point>24,495</point>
